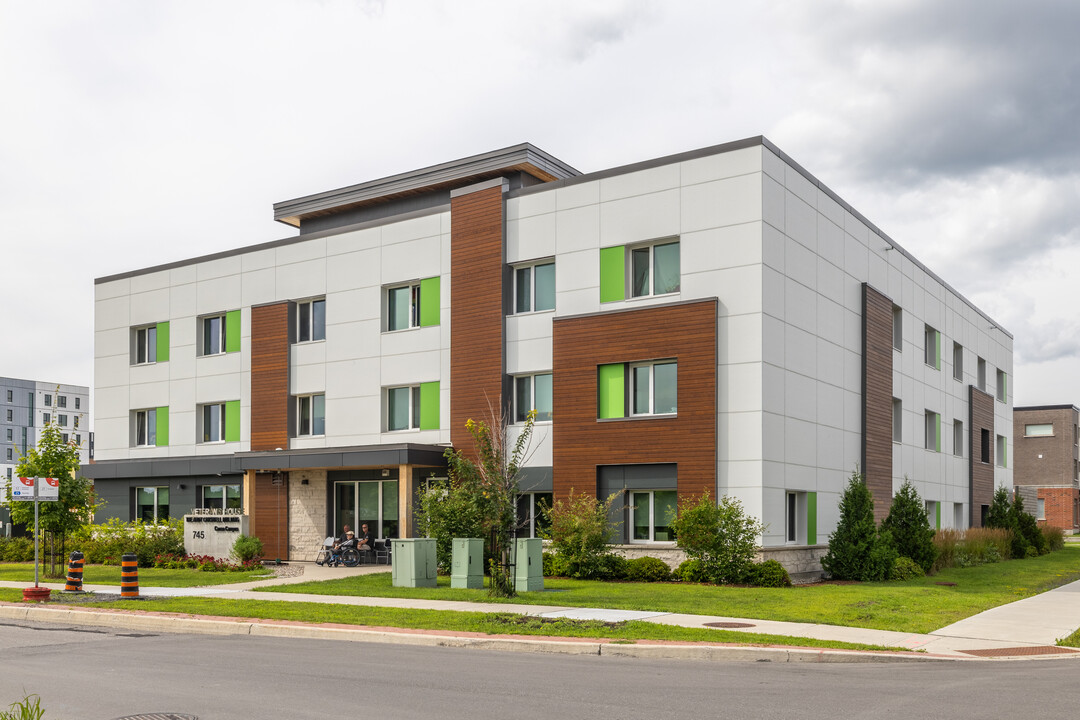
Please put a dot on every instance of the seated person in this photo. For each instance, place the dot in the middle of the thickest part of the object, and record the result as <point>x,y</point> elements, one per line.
<point>349,541</point>
<point>365,541</point>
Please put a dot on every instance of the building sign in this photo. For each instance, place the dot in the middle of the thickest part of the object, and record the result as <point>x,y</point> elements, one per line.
<point>210,531</point>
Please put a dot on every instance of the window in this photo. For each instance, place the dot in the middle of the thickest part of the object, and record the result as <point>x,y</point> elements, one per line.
<point>152,504</point>
<point>653,512</point>
<point>933,431</point>
<point>48,400</point>
<point>958,516</point>
<point>532,392</point>
<point>9,416</point>
<point>46,418</point>
<point>531,519</point>
<point>75,423</point>
<point>1039,430</point>
<point>897,328</point>
<point>958,361</point>
<point>78,439</point>
<point>897,420</point>
<point>212,423</point>
<point>9,434</point>
<point>534,288</point>
<point>219,497</point>
<point>1040,505</point>
<point>652,389</point>
<point>984,449</point>
<point>146,345</point>
<point>1002,452</point>
<point>958,438</point>
<point>792,517</point>
<point>932,355</point>
<point>213,335</point>
<point>933,514</point>
<point>370,502</point>
<point>61,420</point>
<point>9,393</point>
<point>64,438</point>
<point>311,320</point>
<point>413,305</point>
<point>654,269</point>
<point>311,415</point>
<point>1002,386</point>
<point>9,453</point>
<point>981,377</point>
<point>146,428</point>
<point>413,408</point>
<point>61,401</point>
<point>77,403</point>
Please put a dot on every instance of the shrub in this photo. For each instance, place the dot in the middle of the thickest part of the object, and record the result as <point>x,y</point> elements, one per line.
<point>647,569</point>
<point>549,564</point>
<point>1026,533</point>
<point>107,543</point>
<point>912,535</point>
<point>857,549</point>
<point>579,533</point>
<point>974,546</point>
<point>16,549</point>
<point>721,535</point>
<point>692,571</point>
<point>998,514</point>
<point>1055,537</point>
<point>612,567</point>
<point>905,569</point>
<point>447,511</point>
<point>768,573</point>
<point>247,549</point>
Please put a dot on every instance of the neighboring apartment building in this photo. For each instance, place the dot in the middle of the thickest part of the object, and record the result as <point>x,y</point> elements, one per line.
<point>712,321</point>
<point>1048,459</point>
<point>27,406</point>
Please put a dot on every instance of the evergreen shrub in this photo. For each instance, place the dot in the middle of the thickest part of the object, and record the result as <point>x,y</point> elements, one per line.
<point>647,569</point>
<point>912,535</point>
<point>768,573</point>
<point>858,550</point>
<point>906,569</point>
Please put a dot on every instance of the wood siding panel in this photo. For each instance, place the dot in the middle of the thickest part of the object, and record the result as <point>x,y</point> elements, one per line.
<point>877,398</point>
<point>582,443</point>
<point>981,490</point>
<point>476,310</point>
<point>270,377</point>
<point>270,516</point>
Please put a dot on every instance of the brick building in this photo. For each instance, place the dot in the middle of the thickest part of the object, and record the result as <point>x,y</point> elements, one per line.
<point>1047,458</point>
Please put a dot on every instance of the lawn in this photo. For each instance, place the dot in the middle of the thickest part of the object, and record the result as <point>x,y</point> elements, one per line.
<point>917,606</point>
<point>150,577</point>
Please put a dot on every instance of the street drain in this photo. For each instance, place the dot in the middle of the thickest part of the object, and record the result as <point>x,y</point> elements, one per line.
<point>729,625</point>
<point>160,716</point>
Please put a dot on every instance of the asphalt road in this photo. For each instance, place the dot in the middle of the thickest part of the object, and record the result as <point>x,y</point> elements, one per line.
<point>98,674</point>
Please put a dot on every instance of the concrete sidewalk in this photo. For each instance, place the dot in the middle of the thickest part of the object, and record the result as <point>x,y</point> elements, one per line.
<point>1025,628</point>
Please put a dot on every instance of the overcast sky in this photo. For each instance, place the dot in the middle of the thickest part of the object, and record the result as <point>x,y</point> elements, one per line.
<point>138,133</point>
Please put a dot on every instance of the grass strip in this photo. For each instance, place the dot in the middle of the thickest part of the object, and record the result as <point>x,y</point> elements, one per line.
<point>150,577</point>
<point>453,621</point>
<point>921,605</point>
<point>1070,641</point>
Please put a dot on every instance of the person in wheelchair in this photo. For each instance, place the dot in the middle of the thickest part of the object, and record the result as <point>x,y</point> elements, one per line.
<point>340,547</point>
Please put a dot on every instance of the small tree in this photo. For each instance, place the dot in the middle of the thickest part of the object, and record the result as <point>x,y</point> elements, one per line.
<point>75,507</point>
<point>1026,528</point>
<point>857,549</point>
<point>998,514</point>
<point>447,511</point>
<point>720,535</point>
<point>579,533</point>
<point>911,532</point>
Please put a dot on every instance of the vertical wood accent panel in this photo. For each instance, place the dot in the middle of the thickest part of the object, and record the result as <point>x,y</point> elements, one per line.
<point>686,332</point>
<point>270,376</point>
<point>269,516</point>
<point>476,311</point>
<point>981,416</point>
<point>877,398</point>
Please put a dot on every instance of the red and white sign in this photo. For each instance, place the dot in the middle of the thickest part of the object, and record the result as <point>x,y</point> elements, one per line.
<point>22,488</point>
<point>48,488</point>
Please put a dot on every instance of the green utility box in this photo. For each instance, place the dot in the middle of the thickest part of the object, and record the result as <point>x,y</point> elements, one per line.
<point>414,562</point>
<point>529,572</point>
<point>467,565</point>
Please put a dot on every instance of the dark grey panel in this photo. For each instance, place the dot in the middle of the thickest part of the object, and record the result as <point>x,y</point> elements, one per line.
<point>170,468</point>
<point>535,479</point>
<point>361,474</point>
<point>212,465</point>
<point>329,459</point>
<point>660,476</point>
<point>162,467</point>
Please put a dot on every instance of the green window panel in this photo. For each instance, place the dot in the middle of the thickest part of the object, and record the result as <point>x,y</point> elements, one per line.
<point>611,390</point>
<point>232,331</point>
<point>162,426</point>
<point>163,342</point>
<point>937,353</point>
<point>612,274</point>
<point>811,518</point>
<point>232,421</point>
<point>429,406</point>
<point>429,302</point>
<point>937,519</point>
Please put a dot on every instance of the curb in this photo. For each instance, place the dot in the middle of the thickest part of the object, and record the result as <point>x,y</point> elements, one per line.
<point>136,620</point>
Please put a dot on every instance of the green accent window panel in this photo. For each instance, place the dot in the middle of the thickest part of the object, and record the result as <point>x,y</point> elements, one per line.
<point>937,519</point>
<point>429,406</point>
<point>232,331</point>
<point>232,421</point>
<point>429,302</point>
<point>162,426</point>
<point>937,353</point>
<point>611,390</point>
<point>163,342</point>
<point>811,518</point>
<point>612,274</point>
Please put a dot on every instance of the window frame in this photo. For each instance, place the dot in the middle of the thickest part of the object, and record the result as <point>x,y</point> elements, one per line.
<point>529,381</point>
<point>898,328</point>
<point>306,309</point>
<point>46,418</point>
<point>932,353</point>
<point>413,422</point>
<point>530,524</point>
<point>1001,452</point>
<point>414,305</point>
<point>632,507</point>
<point>1029,434</point>
<point>383,521</point>
<point>935,419</point>
<point>204,335</point>
<point>204,422</point>
<point>61,420</point>
<point>897,420</point>
<point>633,387</point>
<point>1001,391</point>
<point>650,249</point>
<point>61,401</point>
<point>200,499</point>
<point>958,361</point>
<point>958,438</point>
<point>311,403</point>
<point>157,503</point>
<point>530,269</point>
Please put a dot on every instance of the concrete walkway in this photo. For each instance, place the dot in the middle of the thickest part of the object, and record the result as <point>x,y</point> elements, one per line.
<point>1024,628</point>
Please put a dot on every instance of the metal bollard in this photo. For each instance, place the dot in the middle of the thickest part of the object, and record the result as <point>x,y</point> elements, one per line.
<point>74,576</point>
<point>129,576</point>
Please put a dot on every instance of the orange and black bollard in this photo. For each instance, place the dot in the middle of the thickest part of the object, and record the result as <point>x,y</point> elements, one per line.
<point>74,576</point>
<point>129,576</point>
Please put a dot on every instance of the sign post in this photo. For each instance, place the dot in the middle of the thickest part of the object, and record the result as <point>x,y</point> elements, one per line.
<point>38,490</point>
